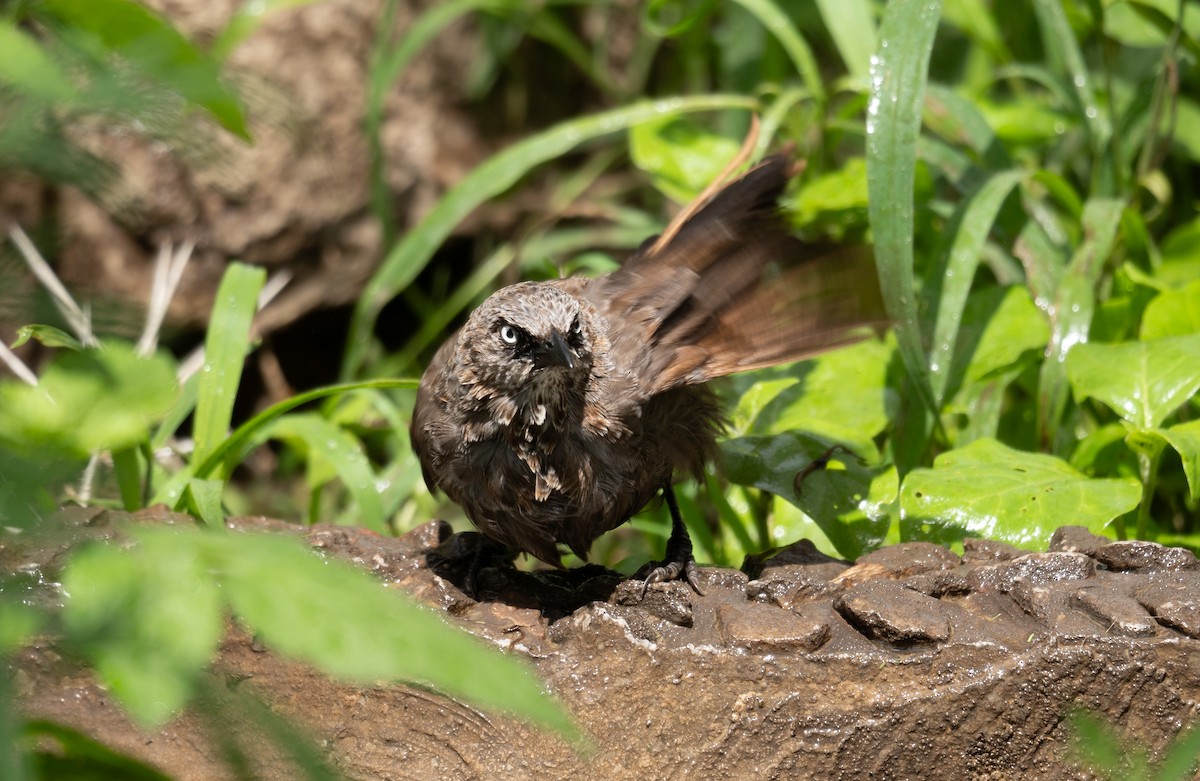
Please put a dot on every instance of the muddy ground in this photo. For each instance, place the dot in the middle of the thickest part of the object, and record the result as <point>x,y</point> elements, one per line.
<point>913,662</point>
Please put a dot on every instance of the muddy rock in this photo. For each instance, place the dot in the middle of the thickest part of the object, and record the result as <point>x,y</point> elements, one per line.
<point>768,674</point>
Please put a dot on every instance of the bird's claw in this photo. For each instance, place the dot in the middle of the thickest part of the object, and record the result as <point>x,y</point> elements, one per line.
<point>661,572</point>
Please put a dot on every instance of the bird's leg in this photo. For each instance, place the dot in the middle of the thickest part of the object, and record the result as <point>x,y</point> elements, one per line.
<point>678,558</point>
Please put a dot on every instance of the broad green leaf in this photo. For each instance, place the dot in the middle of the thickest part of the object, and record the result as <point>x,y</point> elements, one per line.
<point>25,66</point>
<point>347,623</point>
<point>1143,382</point>
<point>1172,313</point>
<point>847,499</point>
<point>1185,438</point>
<point>1103,453</point>
<point>157,49</point>
<point>841,396</point>
<point>1010,327</point>
<point>148,616</point>
<point>77,756</point>
<point>224,355</point>
<point>834,202</point>
<point>681,157</point>
<point>989,490</point>
<point>47,335</point>
<point>91,400</point>
<point>493,177</point>
<point>332,448</point>
<point>899,71</point>
<point>851,24</point>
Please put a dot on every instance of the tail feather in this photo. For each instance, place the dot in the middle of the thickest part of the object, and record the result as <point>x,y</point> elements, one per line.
<point>734,291</point>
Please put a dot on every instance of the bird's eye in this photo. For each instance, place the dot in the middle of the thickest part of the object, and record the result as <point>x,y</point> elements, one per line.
<point>508,334</point>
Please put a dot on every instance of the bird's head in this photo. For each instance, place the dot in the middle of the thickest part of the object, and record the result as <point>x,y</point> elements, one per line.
<point>526,341</point>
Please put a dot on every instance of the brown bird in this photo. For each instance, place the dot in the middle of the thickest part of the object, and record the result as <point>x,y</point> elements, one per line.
<point>561,408</point>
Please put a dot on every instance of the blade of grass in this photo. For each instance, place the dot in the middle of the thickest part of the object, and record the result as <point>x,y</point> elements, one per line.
<point>1071,313</point>
<point>225,353</point>
<point>852,27</point>
<point>1064,54</point>
<point>899,71</point>
<point>779,24</point>
<point>491,178</point>
<point>247,19</point>
<point>344,452</point>
<point>948,290</point>
<point>388,63</point>
<point>129,482</point>
<point>234,447</point>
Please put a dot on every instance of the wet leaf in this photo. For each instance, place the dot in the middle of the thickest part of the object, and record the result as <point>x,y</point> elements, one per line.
<point>841,396</point>
<point>992,491</point>
<point>1143,382</point>
<point>848,500</point>
<point>224,355</point>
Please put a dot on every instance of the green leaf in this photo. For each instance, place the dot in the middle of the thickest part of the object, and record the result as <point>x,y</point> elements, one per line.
<point>491,178</point>
<point>1172,313</point>
<point>834,202</point>
<point>47,335</point>
<point>25,65</point>
<point>1074,304</point>
<point>101,399</point>
<point>948,290</point>
<point>326,612</point>
<point>1103,452</point>
<point>899,71</point>
<point>989,490</point>
<point>1185,438</point>
<point>1010,328</point>
<point>848,500</point>
<point>80,757</point>
<point>851,24</point>
<point>841,396</point>
<point>681,157</point>
<point>780,25</point>
<point>157,49</point>
<point>249,16</point>
<point>1143,382</point>
<point>18,622</point>
<point>149,617</point>
<point>224,355</point>
<point>331,447</point>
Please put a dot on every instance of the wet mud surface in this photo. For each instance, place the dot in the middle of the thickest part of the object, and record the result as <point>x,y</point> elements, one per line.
<point>912,662</point>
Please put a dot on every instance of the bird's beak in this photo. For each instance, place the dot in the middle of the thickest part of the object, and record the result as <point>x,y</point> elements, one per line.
<point>555,352</point>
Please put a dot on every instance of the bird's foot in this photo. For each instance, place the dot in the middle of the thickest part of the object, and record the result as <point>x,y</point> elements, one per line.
<point>678,559</point>
<point>662,571</point>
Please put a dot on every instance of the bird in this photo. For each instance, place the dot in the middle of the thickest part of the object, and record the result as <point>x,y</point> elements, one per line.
<point>562,407</point>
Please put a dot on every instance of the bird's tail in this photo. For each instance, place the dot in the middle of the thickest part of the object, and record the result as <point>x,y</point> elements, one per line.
<point>733,290</point>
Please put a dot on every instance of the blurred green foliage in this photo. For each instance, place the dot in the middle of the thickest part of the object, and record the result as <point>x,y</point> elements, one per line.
<point>1025,173</point>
